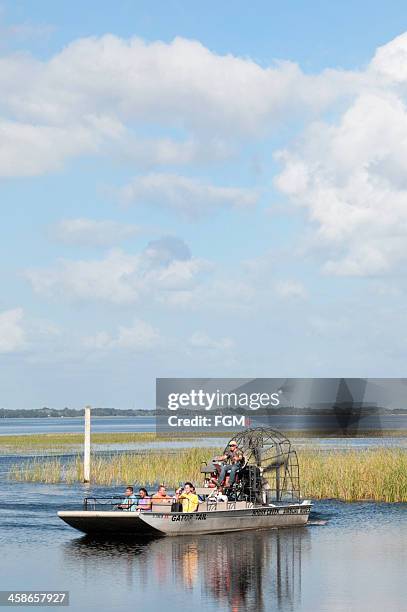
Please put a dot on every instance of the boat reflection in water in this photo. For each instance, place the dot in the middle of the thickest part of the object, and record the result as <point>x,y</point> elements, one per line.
<point>259,570</point>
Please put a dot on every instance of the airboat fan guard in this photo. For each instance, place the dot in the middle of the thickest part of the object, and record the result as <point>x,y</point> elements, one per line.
<point>272,454</point>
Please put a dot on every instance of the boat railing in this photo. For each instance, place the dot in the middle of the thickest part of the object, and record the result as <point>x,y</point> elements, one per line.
<point>108,503</point>
<point>136,502</point>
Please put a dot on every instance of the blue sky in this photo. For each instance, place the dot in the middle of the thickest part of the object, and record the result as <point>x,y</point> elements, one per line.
<point>190,191</point>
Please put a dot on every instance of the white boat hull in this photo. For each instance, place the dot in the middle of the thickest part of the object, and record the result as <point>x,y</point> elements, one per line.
<point>183,523</point>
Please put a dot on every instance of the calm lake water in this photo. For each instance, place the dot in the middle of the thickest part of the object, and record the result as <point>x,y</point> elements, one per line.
<point>355,562</point>
<point>140,424</point>
<point>352,557</point>
<point>75,425</point>
<point>145,424</point>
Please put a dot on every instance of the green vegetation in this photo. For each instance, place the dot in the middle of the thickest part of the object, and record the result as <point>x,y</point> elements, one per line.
<point>54,442</point>
<point>46,412</point>
<point>149,467</point>
<point>378,475</point>
<point>66,441</point>
<point>360,433</point>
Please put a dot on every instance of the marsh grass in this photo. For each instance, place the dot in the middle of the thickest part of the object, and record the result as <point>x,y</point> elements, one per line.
<point>66,441</point>
<point>377,475</point>
<point>54,442</point>
<point>149,467</point>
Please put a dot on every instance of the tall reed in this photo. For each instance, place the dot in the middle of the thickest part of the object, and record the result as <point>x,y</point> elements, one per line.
<point>150,467</point>
<point>379,474</point>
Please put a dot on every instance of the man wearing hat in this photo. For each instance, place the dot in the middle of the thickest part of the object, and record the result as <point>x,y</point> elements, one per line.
<point>234,457</point>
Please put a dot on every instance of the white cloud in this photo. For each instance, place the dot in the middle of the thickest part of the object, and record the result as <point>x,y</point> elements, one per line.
<point>350,176</point>
<point>390,60</point>
<point>93,232</point>
<point>122,278</point>
<point>29,150</point>
<point>290,289</point>
<point>182,83</point>
<point>92,97</point>
<point>111,278</point>
<point>12,334</point>
<point>201,340</point>
<point>140,336</point>
<point>184,194</point>
<point>149,153</point>
<point>217,293</point>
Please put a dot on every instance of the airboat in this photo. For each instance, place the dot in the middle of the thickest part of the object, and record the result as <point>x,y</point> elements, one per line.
<point>266,495</point>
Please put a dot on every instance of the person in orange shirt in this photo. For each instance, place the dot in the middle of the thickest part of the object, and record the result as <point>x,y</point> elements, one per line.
<point>161,497</point>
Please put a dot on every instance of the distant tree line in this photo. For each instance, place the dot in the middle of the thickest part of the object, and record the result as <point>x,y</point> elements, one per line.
<point>69,412</point>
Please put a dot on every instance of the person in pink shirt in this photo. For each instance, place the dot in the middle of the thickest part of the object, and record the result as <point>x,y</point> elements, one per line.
<point>144,501</point>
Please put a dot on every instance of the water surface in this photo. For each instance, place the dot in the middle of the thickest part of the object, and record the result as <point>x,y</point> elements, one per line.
<point>355,562</point>
<point>14,426</point>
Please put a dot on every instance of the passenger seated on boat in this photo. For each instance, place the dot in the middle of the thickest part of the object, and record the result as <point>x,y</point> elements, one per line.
<point>218,496</point>
<point>235,456</point>
<point>211,471</point>
<point>188,497</point>
<point>144,501</point>
<point>161,497</point>
<point>213,479</point>
<point>201,498</point>
<point>129,502</point>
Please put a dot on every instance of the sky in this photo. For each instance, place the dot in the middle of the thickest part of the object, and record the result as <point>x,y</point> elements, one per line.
<point>199,191</point>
